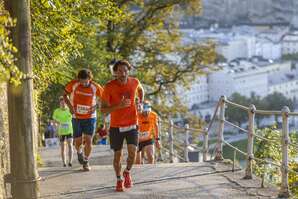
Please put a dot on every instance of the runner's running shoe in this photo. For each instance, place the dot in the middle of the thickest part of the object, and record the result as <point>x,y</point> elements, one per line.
<point>86,166</point>
<point>119,186</point>
<point>80,158</point>
<point>127,179</point>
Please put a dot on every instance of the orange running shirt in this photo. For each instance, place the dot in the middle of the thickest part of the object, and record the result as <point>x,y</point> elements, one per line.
<point>147,126</point>
<point>83,98</point>
<point>113,93</point>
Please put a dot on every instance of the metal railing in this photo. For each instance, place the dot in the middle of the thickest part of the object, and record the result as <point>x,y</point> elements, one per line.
<point>175,145</point>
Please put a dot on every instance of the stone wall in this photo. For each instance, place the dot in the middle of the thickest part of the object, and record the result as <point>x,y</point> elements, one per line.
<point>4,146</point>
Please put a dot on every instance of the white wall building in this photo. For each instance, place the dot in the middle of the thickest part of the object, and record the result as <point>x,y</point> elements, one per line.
<point>233,49</point>
<point>287,84</point>
<point>198,92</point>
<point>245,78</point>
<point>290,43</point>
<point>267,49</point>
<point>242,80</point>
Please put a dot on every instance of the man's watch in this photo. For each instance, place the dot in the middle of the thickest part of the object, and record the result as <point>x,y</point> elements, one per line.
<point>157,138</point>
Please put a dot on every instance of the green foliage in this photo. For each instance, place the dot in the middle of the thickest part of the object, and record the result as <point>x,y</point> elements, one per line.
<point>274,101</point>
<point>8,70</point>
<point>69,35</point>
<point>293,178</point>
<point>58,27</point>
<point>148,36</point>
<point>220,58</point>
<point>272,151</point>
<point>39,160</point>
<point>232,113</point>
<point>293,56</point>
<point>229,152</point>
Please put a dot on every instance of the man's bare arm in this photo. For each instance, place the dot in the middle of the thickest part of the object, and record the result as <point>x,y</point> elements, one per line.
<point>65,97</point>
<point>141,94</point>
<point>106,108</point>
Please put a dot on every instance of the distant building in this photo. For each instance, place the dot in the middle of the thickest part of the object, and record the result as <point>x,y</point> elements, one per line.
<point>233,49</point>
<point>287,84</point>
<point>197,93</point>
<point>245,77</point>
<point>290,43</point>
<point>204,110</point>
<point>242,77</point>
<point>267,49</point>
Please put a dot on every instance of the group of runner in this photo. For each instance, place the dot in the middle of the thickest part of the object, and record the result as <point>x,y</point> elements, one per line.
<point>131,119</point>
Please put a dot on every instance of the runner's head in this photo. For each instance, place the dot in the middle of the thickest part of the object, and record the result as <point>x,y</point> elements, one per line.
<point>62,102</point>
<point>85,76</point>
<point>146,107</point>
<point>121,69</point>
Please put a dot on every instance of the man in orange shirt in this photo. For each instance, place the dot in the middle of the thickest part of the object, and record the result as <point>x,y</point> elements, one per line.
<point>148,132</point>
<point>119,99</point>
<point>81,96</point>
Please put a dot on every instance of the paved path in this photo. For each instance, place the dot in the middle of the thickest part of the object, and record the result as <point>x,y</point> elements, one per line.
<point>208,180</point>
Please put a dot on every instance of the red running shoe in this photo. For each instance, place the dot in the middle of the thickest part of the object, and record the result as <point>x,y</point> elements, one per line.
<point>119,186</point>
<point>127,179</point>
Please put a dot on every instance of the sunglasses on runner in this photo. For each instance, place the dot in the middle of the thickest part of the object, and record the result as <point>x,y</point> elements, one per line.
<point>146,107</point>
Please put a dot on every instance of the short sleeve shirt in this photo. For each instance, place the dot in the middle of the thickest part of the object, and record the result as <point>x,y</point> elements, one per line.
<point>64,117</point>
<point>83,98</point>
<point>147,125</point>
<point>113,93</point>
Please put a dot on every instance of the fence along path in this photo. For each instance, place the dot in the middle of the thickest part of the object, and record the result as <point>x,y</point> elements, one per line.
<point>175,146</point>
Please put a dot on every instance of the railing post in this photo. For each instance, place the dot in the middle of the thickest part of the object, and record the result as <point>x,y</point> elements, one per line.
<point>220,138</point>
<point>205,145</point>
<point>171,141</point>
<point>186,143</point>
<point>284,191</point>
<point>159,131</point>
<point>160,156</point>
<point>250,141</point>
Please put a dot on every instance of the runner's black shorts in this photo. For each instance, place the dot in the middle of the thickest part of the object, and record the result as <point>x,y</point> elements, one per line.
<point>117,138</point>
<point>145,143</point>
<point>63,138</point>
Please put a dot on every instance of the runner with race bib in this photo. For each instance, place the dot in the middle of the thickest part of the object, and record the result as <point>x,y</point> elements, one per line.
<point>148,134</point>
<point>62,118</point>
<point>81,97</point>
<point>119,99</point>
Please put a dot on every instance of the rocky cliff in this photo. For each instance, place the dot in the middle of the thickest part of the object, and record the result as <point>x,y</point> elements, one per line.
<point>230,12</point>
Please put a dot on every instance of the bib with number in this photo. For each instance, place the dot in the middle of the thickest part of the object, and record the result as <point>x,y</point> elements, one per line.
<point>127,128</point>
<point>144,135</point>
<point>83,109</point>
<point>64,126</point>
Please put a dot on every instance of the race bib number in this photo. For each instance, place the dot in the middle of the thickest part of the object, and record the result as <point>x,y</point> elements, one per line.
<point>82,109</point>
<point>143,135</point>
<point>64,126</point>
<point>127,128</point>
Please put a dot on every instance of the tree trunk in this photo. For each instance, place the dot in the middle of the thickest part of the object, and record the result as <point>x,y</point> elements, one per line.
<point>20,108</point>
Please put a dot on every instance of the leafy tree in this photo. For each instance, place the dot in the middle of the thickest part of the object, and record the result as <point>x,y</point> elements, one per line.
<point>232,113</point>
<point>220,58</point>
<point>148,35</point>
<point>276,101</point>
<point>77,34</point>
<point>259,104</point>
<point>293,56</point>
<point>272,151</point>
<point>57,28</point>
<point>8,69</point>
